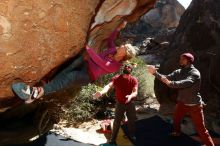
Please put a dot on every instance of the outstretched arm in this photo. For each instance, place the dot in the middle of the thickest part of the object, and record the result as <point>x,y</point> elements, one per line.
<point>104,91</point>
<point>114,34</point>
<point>189,81</point>
<point>153,70</point>
<point>111,47</point>
<point>111,39</point>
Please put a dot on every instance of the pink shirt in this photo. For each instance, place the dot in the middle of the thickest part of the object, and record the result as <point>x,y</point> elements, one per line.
<point>101,64</point>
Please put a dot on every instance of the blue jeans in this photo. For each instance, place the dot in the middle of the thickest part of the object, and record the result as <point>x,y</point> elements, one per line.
<point>75,75</point>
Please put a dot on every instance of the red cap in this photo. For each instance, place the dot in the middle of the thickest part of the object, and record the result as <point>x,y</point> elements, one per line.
<point>189,56</point>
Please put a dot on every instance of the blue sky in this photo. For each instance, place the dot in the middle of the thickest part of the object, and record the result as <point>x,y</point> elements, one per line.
<point>185,3</point>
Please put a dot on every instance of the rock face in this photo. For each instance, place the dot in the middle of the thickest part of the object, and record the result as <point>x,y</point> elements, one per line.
<point>39,36</point>
<point>198,33</point>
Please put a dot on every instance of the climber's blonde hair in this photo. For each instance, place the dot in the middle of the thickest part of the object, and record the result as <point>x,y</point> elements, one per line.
<point>131,51</point>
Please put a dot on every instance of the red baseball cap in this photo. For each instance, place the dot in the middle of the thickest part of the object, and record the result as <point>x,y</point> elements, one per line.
<point>189,56</point>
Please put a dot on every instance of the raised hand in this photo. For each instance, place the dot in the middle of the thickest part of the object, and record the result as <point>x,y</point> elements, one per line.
<point>97,95</point>
<point>151,69</point>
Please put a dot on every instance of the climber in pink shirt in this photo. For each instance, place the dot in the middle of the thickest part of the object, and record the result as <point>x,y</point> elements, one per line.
<point>82,70</point>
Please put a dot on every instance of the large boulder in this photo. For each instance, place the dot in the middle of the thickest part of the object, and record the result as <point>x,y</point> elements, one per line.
<point>198,32</point>
<point>37,37</point>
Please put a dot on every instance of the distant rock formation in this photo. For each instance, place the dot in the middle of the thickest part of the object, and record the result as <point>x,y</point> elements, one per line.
<point>158,21</point>
<point>166,14</point>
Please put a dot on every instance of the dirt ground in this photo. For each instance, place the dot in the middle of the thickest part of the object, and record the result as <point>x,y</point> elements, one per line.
<point>87,131</point>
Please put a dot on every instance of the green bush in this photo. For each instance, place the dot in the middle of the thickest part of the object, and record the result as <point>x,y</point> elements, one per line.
<point>82,106</point>
<point>145,80</point>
